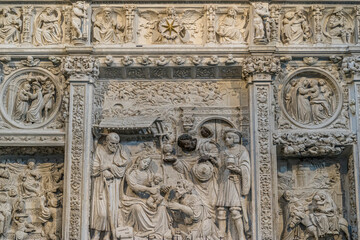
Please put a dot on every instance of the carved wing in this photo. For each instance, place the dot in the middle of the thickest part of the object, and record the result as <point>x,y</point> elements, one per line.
<point>95,14</point>
<point>149,15</point>
<point>191,16</point>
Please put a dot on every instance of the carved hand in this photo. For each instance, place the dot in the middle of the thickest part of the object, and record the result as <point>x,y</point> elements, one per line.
<point>152,191</point>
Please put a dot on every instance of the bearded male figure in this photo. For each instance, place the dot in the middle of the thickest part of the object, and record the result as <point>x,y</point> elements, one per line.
<point>108,171</point>
<point>106,28</point>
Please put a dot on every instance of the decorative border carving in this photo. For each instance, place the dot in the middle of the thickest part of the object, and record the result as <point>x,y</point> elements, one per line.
<point>264,159</point>
<point>77,151</point>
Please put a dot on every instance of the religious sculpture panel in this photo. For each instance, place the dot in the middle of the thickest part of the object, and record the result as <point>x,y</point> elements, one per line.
<point>10,26</point>
<point>108,26</point>
<point>338,26</point>
<point>312,202</point>
<point>311,99</point>
<point>48,28</point>
<point>171,26</point>
<point>31,190</point>
<point>233,26</point>
<point>30,98</point>
<point>296,27</point>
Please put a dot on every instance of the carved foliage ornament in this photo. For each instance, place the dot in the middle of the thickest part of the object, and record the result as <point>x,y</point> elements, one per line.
<point>261,64</point>
<point>31,98</point>
<point>311,99</point>
<point>80,66</point>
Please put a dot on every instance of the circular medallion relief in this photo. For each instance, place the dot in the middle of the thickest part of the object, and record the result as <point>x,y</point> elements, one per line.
<point>311,99</point>
<point>30,98</point>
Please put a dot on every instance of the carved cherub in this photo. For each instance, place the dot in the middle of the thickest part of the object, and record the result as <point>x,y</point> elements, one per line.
<point>162,61</point>
<point>155,199</point>
<point>127,61</point>
<point>168,26</point>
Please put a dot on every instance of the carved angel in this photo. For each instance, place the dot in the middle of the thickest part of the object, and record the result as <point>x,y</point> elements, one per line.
<point>171,28</point>
<point>47,27</point>
<point>108,26</point>
<point>10,25</point>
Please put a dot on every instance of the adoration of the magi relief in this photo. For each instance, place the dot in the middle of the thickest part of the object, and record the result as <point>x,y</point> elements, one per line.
<point>179,120</point>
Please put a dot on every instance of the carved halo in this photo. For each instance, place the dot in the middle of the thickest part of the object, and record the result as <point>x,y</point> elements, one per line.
<point>314,103</point>
<point>43,108</point>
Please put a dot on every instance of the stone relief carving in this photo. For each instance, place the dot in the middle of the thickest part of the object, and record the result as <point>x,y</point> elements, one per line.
<point>48,27</point>
<point>231,28</point>
<point>31,196</point>
<point>78,66</point>
<point>338,26</point>
<point>261,21</point>
<point>313,144</point>
<point>31,98</point>
<point>10,26</point>
<point>108,26</point>
<point>153,205</point>
<point>313,206</point>
<point>261,64</point>
<point>79,22</point>
<point>296,27</point>
<point>310,100</point>
<point>171,26</point>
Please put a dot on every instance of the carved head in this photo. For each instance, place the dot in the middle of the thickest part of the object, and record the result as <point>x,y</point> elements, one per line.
<point>232,11</point>
<point>171,11</point>
<point>27,86</point>
<point>183,186</point>
<point>144,162</point>
<point>48,10</point>
<point>107,13</point>
<point>206,132</point>
<point>338,11</point>
<point>31,163</point>
<point>112,142</point>
<point>157,179</point>
<point>187,143</point>
<point>231,137</point>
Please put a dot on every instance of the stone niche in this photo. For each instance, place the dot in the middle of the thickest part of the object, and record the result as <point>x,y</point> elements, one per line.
<point>316,196</point>
<point>31,192</point>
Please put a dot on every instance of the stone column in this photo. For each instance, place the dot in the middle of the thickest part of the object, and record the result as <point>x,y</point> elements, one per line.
<point>82,71</point>
<point>259,77</point>
<point>354,179</point>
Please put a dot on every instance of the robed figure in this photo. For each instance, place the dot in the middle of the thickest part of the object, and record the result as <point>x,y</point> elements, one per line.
<point>108,170</point>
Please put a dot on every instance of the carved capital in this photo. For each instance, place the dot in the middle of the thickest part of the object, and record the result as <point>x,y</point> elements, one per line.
<point>81,67</point>
<point>261,64</point>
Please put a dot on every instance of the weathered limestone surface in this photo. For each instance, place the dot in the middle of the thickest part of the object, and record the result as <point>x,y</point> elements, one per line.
<point>179,120</point>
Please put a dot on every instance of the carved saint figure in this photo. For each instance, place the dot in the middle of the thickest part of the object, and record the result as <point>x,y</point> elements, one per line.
<point>338,27</point>
<point>296,28</point>
<point>48,30</point>
<point>196,219</point>
<point>234,184</point>
<point>324,214</point>
<point>49,97</point>
<point>261,26</point>
<point>108,171</point>
<point>49,215</point>
<point>320,107</point>
<point>5,215</point>
<point>228,30</point>
<point>146,221</point>
<point>34,114</point>
<point>29,181</point>
<point>10,25</point>
<point>22,102</point>
<point>107,30</point>
<point>78,19</point>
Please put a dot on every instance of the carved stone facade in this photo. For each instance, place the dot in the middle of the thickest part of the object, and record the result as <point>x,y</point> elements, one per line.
<point>179,120</point>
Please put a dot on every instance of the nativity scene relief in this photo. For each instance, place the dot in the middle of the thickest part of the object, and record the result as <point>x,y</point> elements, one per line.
<point>196,189</point>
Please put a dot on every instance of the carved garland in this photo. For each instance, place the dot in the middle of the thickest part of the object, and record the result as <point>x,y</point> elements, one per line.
<point>262,112</point>
<point>77,150</point>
